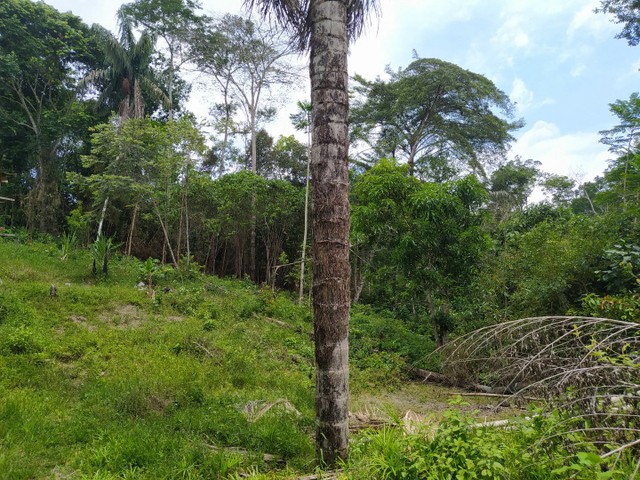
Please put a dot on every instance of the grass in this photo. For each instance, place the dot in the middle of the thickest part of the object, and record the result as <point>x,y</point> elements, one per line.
<point>210,379</point>
<point>102,381</point>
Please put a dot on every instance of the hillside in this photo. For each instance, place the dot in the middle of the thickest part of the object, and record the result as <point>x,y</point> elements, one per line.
<point>100,380</point>
<point>209,378</point>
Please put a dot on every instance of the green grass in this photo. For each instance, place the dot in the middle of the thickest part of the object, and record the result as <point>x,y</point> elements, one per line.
<point>102,381</point>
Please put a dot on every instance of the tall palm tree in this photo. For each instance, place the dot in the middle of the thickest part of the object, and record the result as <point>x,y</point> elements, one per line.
<point>127,71</point>
<point>324,28</point>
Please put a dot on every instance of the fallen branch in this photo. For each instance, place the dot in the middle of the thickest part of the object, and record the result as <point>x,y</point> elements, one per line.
<point>497,395</point>
<point>429,376</point>
<point>621,448</point>
<point>251,407</point>
<point>493,423</point>
<point>267,457</point>
<point>321,476</point>
<point>206,351</point>
<point>278,322</point>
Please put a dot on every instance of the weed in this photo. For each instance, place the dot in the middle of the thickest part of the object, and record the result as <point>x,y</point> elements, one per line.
<point>23,340</point>
<point>68,244</point>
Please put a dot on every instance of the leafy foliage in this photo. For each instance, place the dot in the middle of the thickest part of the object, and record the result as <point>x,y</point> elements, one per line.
<point>461,448</point>
<point>423,241</point>
<point>42,120</point>
<point>626,12</point>
<point>433,110</point>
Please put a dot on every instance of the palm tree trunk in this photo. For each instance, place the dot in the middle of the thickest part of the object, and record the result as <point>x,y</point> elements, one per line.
<point>330,208</point>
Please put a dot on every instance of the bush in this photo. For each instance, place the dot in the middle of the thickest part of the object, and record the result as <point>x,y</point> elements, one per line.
<point>463,450</point>
<point>23,340</point>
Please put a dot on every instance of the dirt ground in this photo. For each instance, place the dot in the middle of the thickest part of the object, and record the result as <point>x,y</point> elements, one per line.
<point>422,403</point>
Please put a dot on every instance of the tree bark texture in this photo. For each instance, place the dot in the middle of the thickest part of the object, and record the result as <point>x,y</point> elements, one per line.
<point>330,213</point>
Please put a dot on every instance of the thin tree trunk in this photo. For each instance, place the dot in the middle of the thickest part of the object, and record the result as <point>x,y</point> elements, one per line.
<point>186,217</point>
<point>254,169</point>
<point>102,215</point>
<point>330,207</point>
<point>227,126</point>
<point>180,223</point>
<point>306,220</point>
<point>166,235</point>
<point>132,229</point>
<point>170,82</point>
<point>212,253</point>
<point>252,249</point>
<point>586,194</point>
<point>238,259</point>
<point>223,269</point>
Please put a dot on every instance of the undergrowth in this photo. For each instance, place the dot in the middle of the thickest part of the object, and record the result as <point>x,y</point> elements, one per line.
<point>150,373</point>
<point>460,448</point>
<point>103,380</point>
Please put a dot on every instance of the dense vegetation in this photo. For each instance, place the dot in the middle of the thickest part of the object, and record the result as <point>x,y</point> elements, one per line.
<point>213,378</point>
<point>108,181</point>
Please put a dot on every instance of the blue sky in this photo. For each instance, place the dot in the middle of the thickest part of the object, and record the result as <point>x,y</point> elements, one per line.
<point>556,58</point>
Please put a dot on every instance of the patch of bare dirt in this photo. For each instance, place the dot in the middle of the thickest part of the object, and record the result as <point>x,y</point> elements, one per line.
<point>82,321</point>
<point>124,317</point>
<point>419,404</point>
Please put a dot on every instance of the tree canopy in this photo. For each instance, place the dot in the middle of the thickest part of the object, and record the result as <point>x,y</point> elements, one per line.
<point>40,112</point>
<point>626,12</point>
<point>433,110</point>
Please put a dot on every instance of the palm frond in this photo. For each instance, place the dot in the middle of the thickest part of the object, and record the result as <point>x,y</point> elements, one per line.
<point>93,77</point>
<point>358,14</point>
<point>586,368</point>
<point>294,15</point>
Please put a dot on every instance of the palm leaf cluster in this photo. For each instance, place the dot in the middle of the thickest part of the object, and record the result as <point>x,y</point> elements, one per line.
<point>588,369</point>
<point>295,16</point>
<point>127,71</point>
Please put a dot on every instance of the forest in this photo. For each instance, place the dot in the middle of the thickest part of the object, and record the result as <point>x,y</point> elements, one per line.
<point>172,290</point>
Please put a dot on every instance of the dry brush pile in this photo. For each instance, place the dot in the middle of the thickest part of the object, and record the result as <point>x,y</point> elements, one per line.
<point>586,369</point>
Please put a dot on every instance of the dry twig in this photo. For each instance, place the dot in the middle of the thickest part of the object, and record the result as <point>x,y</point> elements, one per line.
<point>587,368</point>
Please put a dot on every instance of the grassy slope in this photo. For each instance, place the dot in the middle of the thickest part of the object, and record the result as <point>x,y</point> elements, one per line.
<point>104,382</point>
<point>101,381</point>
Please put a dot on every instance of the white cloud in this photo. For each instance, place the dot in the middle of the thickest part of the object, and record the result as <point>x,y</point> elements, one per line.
<point>578,70</point>
<point>574,153</point>
<point>521,95</point>
<point>542,10</point>
<point>512,33</point>
<point>593,24</point>
<point>426,14</point>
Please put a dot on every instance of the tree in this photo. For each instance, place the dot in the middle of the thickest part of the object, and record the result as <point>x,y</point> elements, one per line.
<point>139,164</point>
<point>127,72</point>
<point>433,110</point>
<point>42,53</point>
<point>324,28</point>
<point>626,12</point>
<point>287,160</point>
<point>624,141</point>
<point>425,240</point>
<point>246,60</point>
<point>511,185</point>
<point>561,188</point>
<point>172,21</point>
<point>302,121</point>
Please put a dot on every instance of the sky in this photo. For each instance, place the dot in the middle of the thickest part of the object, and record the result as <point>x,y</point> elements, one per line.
<point>556,59</point>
